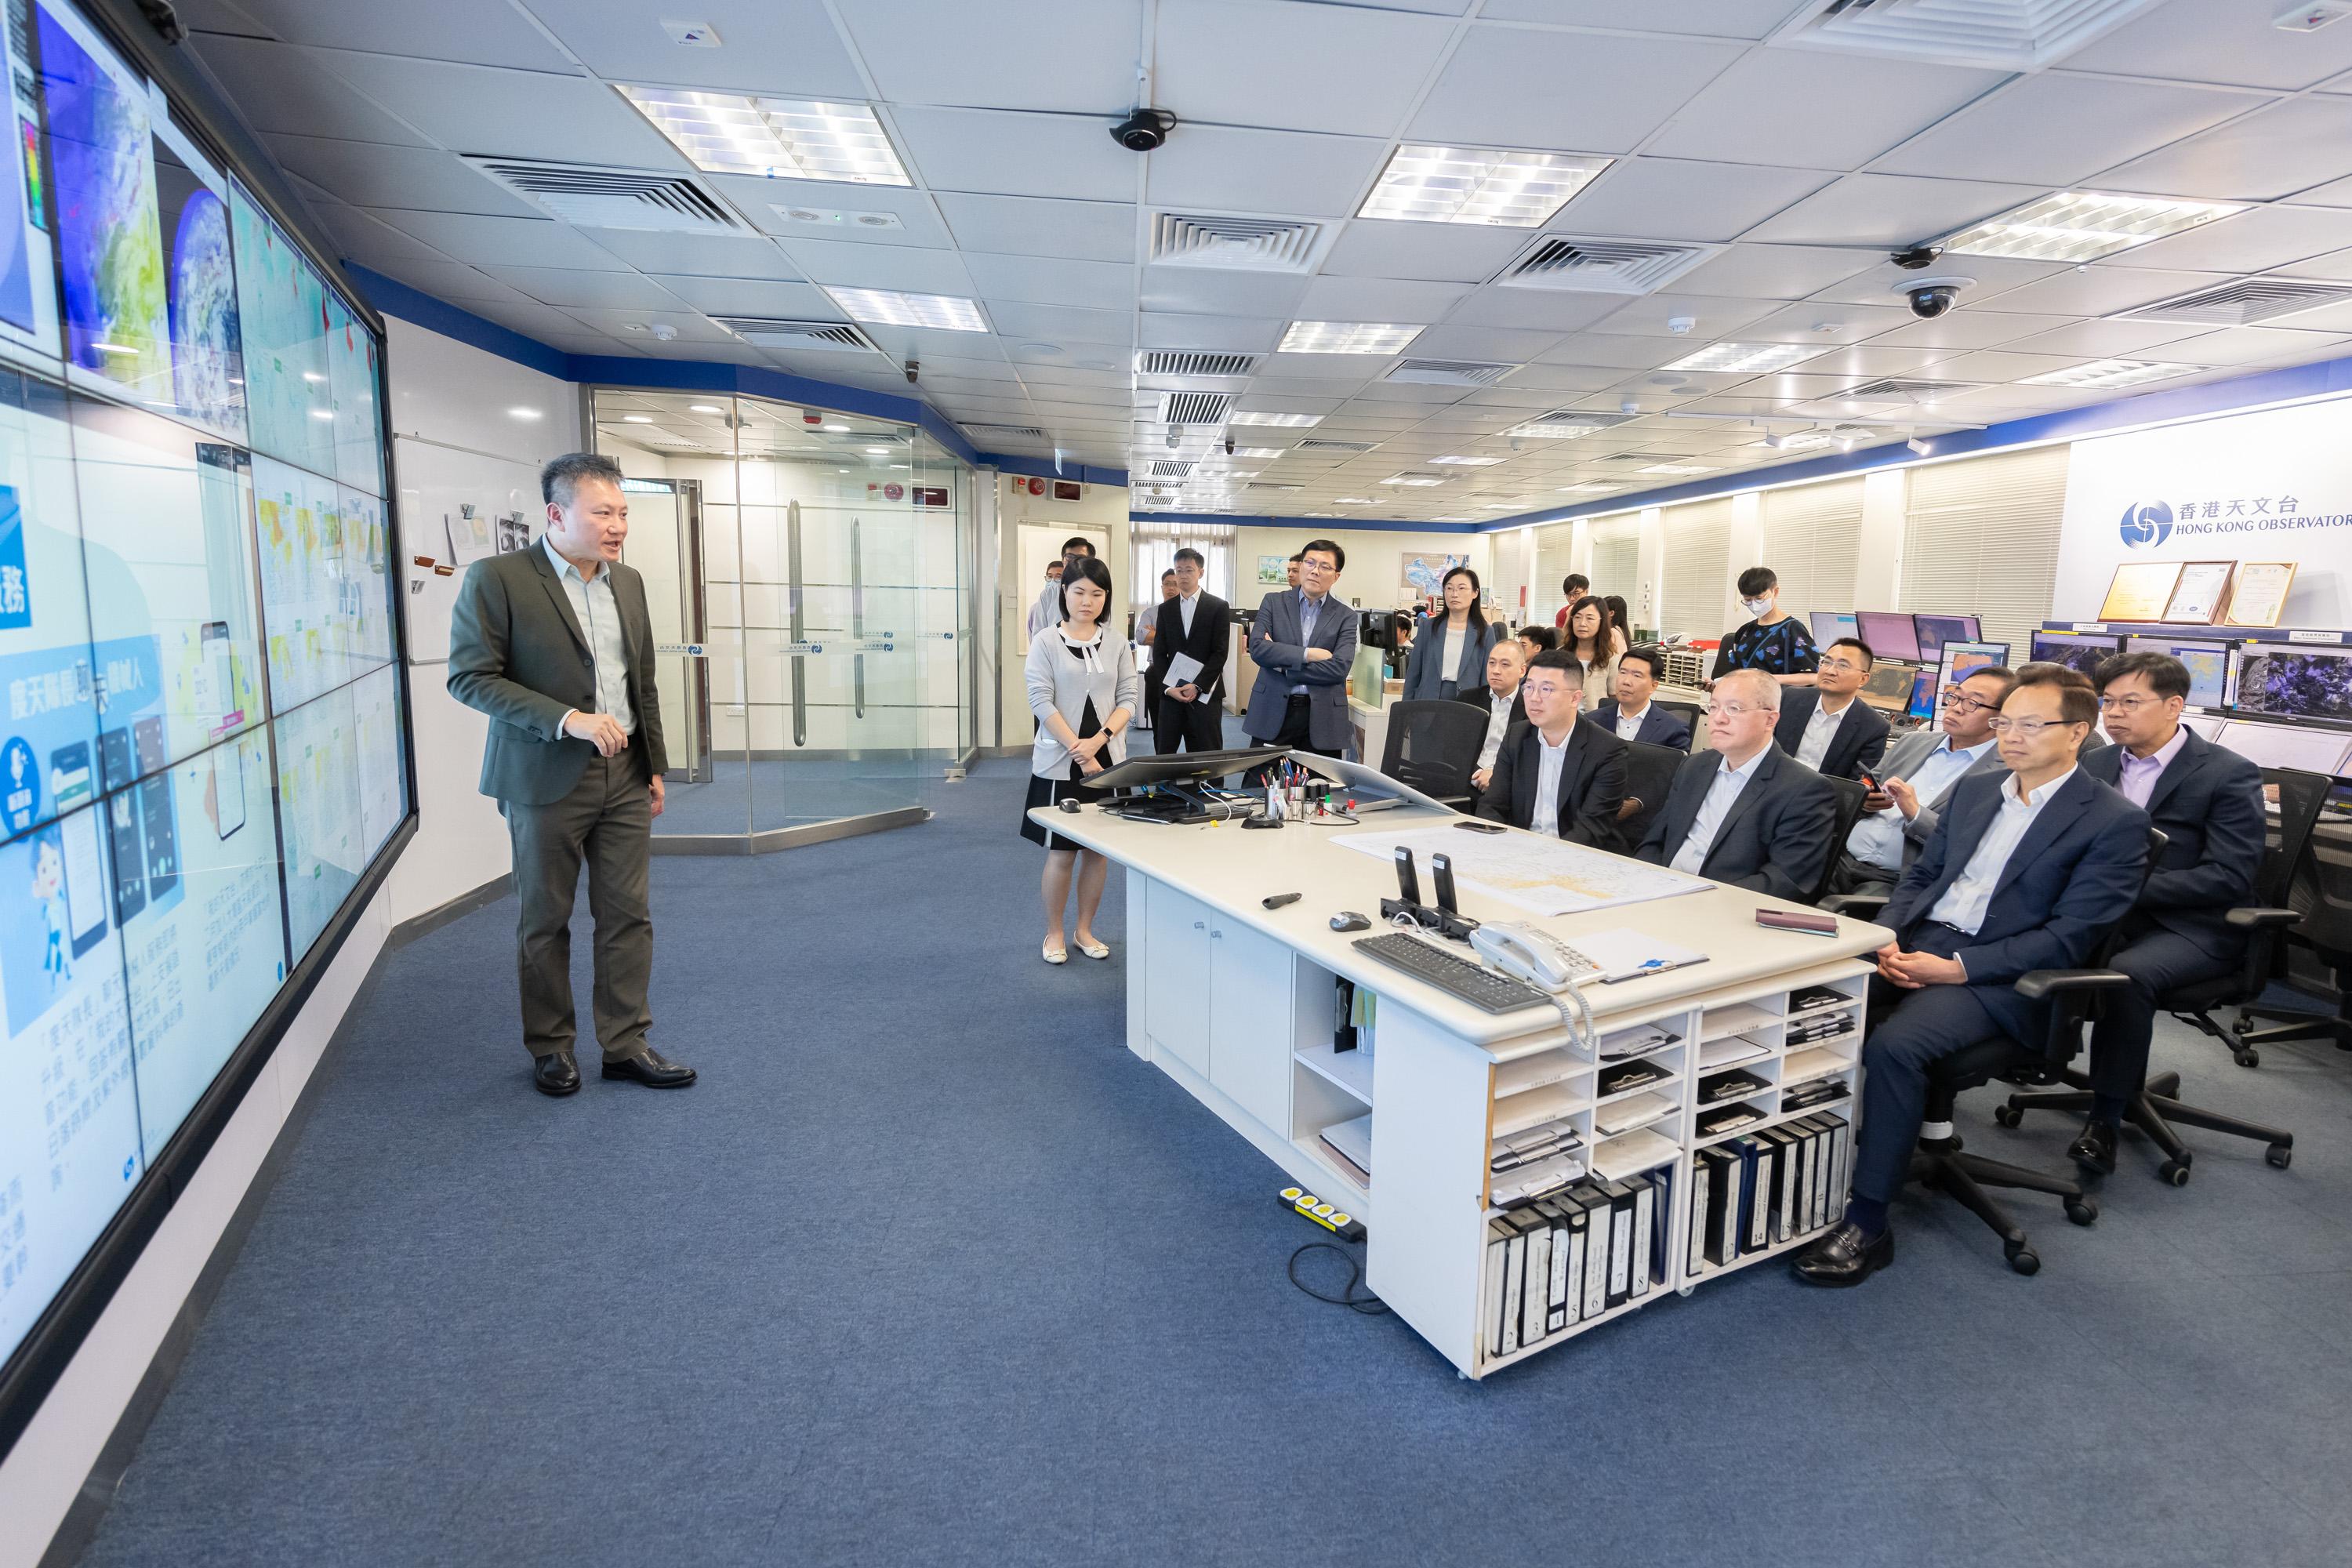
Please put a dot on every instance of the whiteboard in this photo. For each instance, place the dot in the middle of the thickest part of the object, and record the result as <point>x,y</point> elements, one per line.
<point>435,483</point>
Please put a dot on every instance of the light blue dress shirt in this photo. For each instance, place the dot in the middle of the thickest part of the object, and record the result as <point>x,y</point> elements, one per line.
<point>599,614</point>
<point>1310,610</point>
<point>1877,839</point>
<point>1964,903</point>
<point>1721,796</point>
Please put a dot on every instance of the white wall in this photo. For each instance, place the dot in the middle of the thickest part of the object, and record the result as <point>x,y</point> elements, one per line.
<point>1100,507</point>
<point>1375,577</point>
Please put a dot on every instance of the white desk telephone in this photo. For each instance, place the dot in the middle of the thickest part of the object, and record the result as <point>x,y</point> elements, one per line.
<point>1538,957</point>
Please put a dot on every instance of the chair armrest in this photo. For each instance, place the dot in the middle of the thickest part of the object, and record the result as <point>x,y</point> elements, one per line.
<point>1460,803</point>
<point>2040,984</point>
<point>2255,917</point>
<point>1861,906</point>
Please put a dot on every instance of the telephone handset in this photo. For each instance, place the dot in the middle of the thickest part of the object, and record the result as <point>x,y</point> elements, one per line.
<point>1538,957</point>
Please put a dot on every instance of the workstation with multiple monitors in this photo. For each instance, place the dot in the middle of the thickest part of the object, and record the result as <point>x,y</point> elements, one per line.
<point>204,754</point>
<point>1894,634</point>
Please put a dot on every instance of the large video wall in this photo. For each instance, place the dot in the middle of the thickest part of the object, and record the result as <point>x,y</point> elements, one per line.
<point>200,724</point>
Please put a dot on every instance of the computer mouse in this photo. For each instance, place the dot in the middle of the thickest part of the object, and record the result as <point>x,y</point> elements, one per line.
<point>1069,806</point>
<point>1349,920</point>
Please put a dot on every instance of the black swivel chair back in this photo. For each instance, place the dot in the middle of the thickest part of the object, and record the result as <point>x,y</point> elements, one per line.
<point>1850,796</point>
<point>1692,714</point>
<point>1649,777</point>
<point>1433,747</point>
<point>2315,889</point>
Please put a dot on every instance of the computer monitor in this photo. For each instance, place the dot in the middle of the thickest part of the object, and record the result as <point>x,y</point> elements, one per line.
<point>2208,662</point>
<point>2076,650</point>
<point>1183,767</point>
<point>1830,625</point>
<point>1935,631</point>
<point>2287,746</point>
<point>1889,634</point>
<point>2294,682</point>
<point>1922,706</point>
<point>1887,686</point>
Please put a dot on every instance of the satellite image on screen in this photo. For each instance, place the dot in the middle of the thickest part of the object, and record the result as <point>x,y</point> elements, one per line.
<point>2302,684</point>
<point>2085,655</point>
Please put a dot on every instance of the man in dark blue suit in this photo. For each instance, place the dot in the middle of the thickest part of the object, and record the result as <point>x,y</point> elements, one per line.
<point>1303,644</point>
<point>2209,803</point>
<point>1745,811</point>
<point>1630,715</point>
<point>2026,871</point>
<point>1829,729</point>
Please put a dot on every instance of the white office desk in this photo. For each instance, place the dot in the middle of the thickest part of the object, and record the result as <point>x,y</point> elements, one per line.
<point>1235,1001</point>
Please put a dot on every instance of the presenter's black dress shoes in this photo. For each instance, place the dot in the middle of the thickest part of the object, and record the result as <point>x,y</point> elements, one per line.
<point>653,1070</point>
<point>1844,1257</point>
<point>556,1073</point>
<point>2096,1149</point>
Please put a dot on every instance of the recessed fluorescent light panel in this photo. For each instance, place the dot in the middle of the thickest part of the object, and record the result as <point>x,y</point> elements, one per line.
<point>1677,469</point>
<point>1477,185</point>
<point>1559,428</point>
<point>1418,481</point>
<point>1257,451</point>
<point>1753,359</point>
<point>2083,225</point>
<point>1469,462</point>
<point>1346,338</point>
<point>775,137</point>
<point>1287,421</point>
<point>2109,372</point>
<point>1353,500</point>
<point>890,308</point>
<point>1587,489</point>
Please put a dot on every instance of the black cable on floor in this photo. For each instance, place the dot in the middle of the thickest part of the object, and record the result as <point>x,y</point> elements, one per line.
<point>1369,1305</point>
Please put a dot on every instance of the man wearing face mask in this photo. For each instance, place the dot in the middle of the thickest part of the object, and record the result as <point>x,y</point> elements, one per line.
<point>1775,642</point>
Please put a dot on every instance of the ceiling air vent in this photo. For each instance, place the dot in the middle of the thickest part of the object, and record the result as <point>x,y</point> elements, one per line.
<point>1171,469</point>
<point>1571,422</point>
<point>2010,34</point>
<point>1896,391</point>
<point>1449,372</point>
<point>2242,303</point>
<point>1195,409</point>
<point>1313,446</point>
<point>1646,458</point>
<point>592,197</point>
<point>1005,432</point>
<point>1191,363</point>
<point>1270,485</point>
<point>768,333</point>
<point>1602,266</point>
<point>1256,244</point>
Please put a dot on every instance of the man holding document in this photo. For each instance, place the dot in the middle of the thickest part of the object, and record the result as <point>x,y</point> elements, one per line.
<point>1188,661</point>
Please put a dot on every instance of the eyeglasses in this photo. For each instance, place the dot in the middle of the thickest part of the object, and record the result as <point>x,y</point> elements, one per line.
<point>2029,729</point>
<point>1734,710</point>
<point>1956,697</point>
<point>1845,664</point>
<point>2128,706</point>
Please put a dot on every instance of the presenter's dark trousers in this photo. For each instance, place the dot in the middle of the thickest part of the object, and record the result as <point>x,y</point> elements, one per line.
<point>1910,1031</point>
<point>1297,731</point>
<point>607,821</point>
<point>1193,726</point>
<point>2158,961</point>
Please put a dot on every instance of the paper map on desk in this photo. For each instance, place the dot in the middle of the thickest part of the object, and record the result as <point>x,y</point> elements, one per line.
<point>1542,876</point>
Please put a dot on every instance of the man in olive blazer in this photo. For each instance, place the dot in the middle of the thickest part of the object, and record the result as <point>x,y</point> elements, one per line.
<point>554,643</point>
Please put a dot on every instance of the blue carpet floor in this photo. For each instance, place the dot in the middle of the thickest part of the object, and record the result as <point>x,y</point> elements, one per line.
<point>786,792</point>
<point>929,1270</point>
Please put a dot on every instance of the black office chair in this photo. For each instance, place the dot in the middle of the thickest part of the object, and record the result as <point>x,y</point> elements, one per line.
<point>2158,1104</point>
<point>1940,1162</point>
<point>1851,793</point>
<point>2319,889</point>
<point>1433,747</point>
<point>1692,714</point>
<point>1649,777</point>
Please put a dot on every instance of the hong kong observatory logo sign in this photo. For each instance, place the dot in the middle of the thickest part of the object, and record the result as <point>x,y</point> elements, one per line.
<point>2146,526</point>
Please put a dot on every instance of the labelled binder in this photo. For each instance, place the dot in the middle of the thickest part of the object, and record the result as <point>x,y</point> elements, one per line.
<point>1645,1202</point>
<point>1722,1205</point>
<point>1620,1197</point>
<point>1596,1249</point>
<point>1784,1184</point>
<point>1515,1274</point>
<point>1535,1308</point>
<point>1555,1278</point>
<point>1695,1256</point>
<point>1809,1186</point>
<point>1840,1158</point>
<point>1499,1239</point>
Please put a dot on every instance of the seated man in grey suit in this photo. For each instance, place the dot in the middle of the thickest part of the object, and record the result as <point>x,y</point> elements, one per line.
<point>1916,778</point>
<point>1746,813</point>
<point>1561,776</point>
<point>1303,644</point>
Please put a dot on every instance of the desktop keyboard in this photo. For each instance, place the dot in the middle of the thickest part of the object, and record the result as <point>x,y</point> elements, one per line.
<point>1461,977</point>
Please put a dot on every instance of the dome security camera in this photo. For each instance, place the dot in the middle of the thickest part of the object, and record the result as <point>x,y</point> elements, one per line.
<point>1229,445</point>
<point>1143,131</point>
<point>914,368</point>
<point>1932,297</point>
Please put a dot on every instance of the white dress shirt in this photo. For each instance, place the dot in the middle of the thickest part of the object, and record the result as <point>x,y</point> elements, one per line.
<point>1820,730</point>
<point>1878,839</point>
<point>1498,719</point>
<point>599,614</point>
<point>1964,903</point>
<point>1546,820</point>
<point>1185,604</point>
<point>1453,651</point>
<point>1721,796</point>
<point>1629,725</point>
<point>2137,776</point>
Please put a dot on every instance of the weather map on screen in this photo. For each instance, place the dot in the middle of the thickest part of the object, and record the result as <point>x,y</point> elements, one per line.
<point>282,316</point>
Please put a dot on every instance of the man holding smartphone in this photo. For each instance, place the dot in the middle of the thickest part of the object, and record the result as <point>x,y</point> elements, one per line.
<point>1910,788</point>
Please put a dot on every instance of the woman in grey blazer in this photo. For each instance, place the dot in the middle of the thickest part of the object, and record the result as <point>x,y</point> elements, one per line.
<point>1449,651</point>
<point>1083,688</point>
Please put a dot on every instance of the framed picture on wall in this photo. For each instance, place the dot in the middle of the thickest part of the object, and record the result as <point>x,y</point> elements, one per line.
<point>2202,590</point>
<point>1272,571</point>
<point>1424,574</point>
<point>2260,598</point>
<point>2140,590</point>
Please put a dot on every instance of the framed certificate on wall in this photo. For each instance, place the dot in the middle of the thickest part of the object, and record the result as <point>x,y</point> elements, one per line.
<point>2260,598</point>
<point>2202,593</point>
<point>2140,590</point>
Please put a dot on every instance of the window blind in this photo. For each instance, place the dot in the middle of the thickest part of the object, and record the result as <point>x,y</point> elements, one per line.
<point>1980,537</point>
<point>1811,535</point>
<point>1151,549</point>
<point>1697,569</point>
<point>1617,559</point>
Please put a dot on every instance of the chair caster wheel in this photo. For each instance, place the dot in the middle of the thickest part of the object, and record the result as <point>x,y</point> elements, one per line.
<point>2278,1154</point>
<point>2022,1257</point>
<point>2008,1115</point>
<point>2247,1058</point>
<point>2083,1211</point>
<point>2174,1173</point>
<point>1685,1290</point>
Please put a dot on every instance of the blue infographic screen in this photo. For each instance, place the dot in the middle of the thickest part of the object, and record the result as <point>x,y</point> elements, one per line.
<point>200,733</point>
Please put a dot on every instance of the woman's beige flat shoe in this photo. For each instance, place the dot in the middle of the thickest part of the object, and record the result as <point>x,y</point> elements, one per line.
<point>1093,949</point>
<point>1057,955</point>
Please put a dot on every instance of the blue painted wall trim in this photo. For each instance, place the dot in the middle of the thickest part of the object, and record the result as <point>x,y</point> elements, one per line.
<point>1043,468</point>
<point>1312,524</point>
<point>391,297</point>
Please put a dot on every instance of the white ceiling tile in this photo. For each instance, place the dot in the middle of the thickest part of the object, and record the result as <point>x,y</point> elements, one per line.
<point>2193,40</point>
<point>506,241</point>
<point>1021,225</point>
<point>2004,366</point>
<point>1802,107</point>
<point>1044,280</point>
<point>1713,19</point>
<point>2060,129</point>
<point>1056,324</point>
<point>2269,154</point>
<point>450,280</point>
<point>437,30</point>
<point>608,291</point>
<point>2334,193</point>
<point>2100,290</point>
<point>1228,292</point>
<point>1676,198</point>
<point>1542,309</point>
<point>921,343</point>
<point>509,113</point>
<point>952,52</point>
<point>1889,210</point>
<point>754,297</point>
<point>692,328</point>
<point>881,267</point>
<point>785,47</point>
<point>757,199</point>
<point>1561,378</point>
<point>374,175</point>
<point>997,154</point>
<point>1433,252</point>
<point>1624,352</point>
<point>1379,300</point>
<point>1773,271</point>
<point>276,87</point>
<point>1715,317</point>
<point>2241,346</point>
<point>2256,240</point>
<point>1504,86</point>
<point>1293,66</point>
<point>1868,361</point>
<point>1505,345</point>
<point>699,255</point>
<point>1884,283</point>
<point>1166,330</point>
<point>1963,329</point>
<point>527,316</point>
<point>1225,168</point>
<point>2104,340</point>
<point>363,237</point>
<point>1803,323</point>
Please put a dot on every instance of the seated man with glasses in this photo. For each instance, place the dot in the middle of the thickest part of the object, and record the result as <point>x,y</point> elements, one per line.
<point>1917,777</point>
<point>2209,803</point>
<point>1746,812</point>
<point>2026,871</point>
<point>1558,775</point>
<point>1826,728</point>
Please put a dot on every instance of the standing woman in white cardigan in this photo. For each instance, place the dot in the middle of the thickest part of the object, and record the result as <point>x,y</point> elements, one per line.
<point>1083,688</point>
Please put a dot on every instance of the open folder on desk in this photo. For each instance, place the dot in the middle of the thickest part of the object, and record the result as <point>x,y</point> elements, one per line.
<point>1624,954</point>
